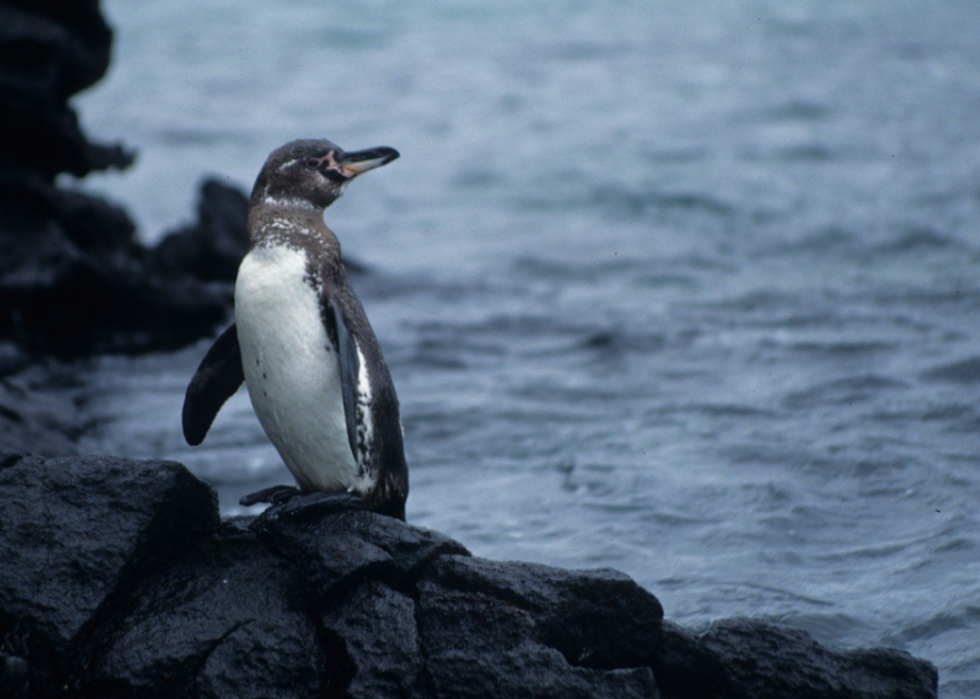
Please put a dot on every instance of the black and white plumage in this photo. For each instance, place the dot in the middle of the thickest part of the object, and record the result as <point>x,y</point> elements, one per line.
<point>301,341</point>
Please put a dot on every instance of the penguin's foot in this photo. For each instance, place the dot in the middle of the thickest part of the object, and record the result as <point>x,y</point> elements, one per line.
<point>314,506</point>
<point>276,495</point>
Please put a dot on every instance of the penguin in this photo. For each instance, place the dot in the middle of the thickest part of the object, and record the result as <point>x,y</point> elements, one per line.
<point>302,343</point>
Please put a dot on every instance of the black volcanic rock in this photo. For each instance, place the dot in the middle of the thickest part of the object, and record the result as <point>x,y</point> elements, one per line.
<point>552,632</point>
<point>117,582</point>
<point>761,661</point>
<point>353,546</point>
<point>211,248</point>
<point>595,618</point>
<point>73,281</point>
<point>375,635</point>
<point>75,534</point>
<point>225,620</point>
<point>684,667</point>
<point>74,278</point>
<point>533,671</point>
<point>49,50</point>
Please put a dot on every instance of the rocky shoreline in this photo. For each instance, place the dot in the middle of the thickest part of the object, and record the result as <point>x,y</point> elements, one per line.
<point>119,579</point>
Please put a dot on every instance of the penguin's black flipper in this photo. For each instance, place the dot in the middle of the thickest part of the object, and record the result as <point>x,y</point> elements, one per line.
<point>350,366</point>
<point>217,378</point>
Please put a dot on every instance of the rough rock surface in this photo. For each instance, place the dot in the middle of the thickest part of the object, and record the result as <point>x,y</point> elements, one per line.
<point>769,662</point>
<point>233,623</point>
<point>75,281</point>
<point>118,581</point>
<point>76,533</point>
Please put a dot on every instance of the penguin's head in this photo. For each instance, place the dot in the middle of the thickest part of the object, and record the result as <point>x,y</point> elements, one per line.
<point>315,171</point>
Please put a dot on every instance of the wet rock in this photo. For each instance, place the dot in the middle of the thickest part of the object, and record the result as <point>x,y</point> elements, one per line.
<point>74,281</point>
<point>117,582</point>
<point>347,547</point>
<point>760,661</point>
<point>534,671</point>
<point>211,248</point>
<point>558,633</point>
<point>52,241</point>
<point>14,669</point>
<point>76,533</point>
<point>49,50</point>
<point>594,618</point>
<point>226,620</point>
<point>684,667</point>
<point>74,278</point>
<point>375,627</point>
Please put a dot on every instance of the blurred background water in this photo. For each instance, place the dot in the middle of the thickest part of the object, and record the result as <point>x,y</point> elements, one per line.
<point>686,289</point>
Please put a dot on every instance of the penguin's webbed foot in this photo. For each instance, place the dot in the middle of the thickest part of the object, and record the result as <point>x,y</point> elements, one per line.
<point>276,495</point>
<point>313,506</point>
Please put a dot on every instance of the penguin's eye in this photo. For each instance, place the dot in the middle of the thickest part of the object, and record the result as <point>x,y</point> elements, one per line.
<point>312,163</point>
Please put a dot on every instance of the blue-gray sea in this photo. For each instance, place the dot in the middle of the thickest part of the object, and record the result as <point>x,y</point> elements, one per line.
<point>691,290</point>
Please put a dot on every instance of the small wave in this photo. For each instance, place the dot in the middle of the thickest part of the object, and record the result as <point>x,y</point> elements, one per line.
<point>434,355</point>
<point>444,344</point>
<point>774,594</point>
<point>797,152</point>
<point>847,556</point>
<point>822,240</point>
<point>966,371</point>
<point>639,202</point>
<point>677,155</point>
<point>956,545</point>
<point>615,343</point>
<point>476,178</point>
<point>810,152</point>
<point>842,349</point>
<point>724,410</point>
<point>965,618</point>
<point>845,391</point>
<point>920,240</point>
<point>691,201</point>
<point>956,417</point>
<point>767,302</point>
<point>667,280</point>
<point>353,38</point>
<point>629,203</point>
<point>797,110</point>
<point>581,50</point>
<point>543,268</point>
<point>959,296</point>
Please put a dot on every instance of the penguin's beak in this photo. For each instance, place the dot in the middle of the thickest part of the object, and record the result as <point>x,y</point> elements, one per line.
<point>355,163</point>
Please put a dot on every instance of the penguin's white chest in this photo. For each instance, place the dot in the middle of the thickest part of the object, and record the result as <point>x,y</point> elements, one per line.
<point>291,368</point>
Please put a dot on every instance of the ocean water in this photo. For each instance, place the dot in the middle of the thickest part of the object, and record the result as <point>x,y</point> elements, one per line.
<point>691,290</point>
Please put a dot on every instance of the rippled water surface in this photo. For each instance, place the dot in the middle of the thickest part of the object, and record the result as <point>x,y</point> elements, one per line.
<point>686,289</point>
